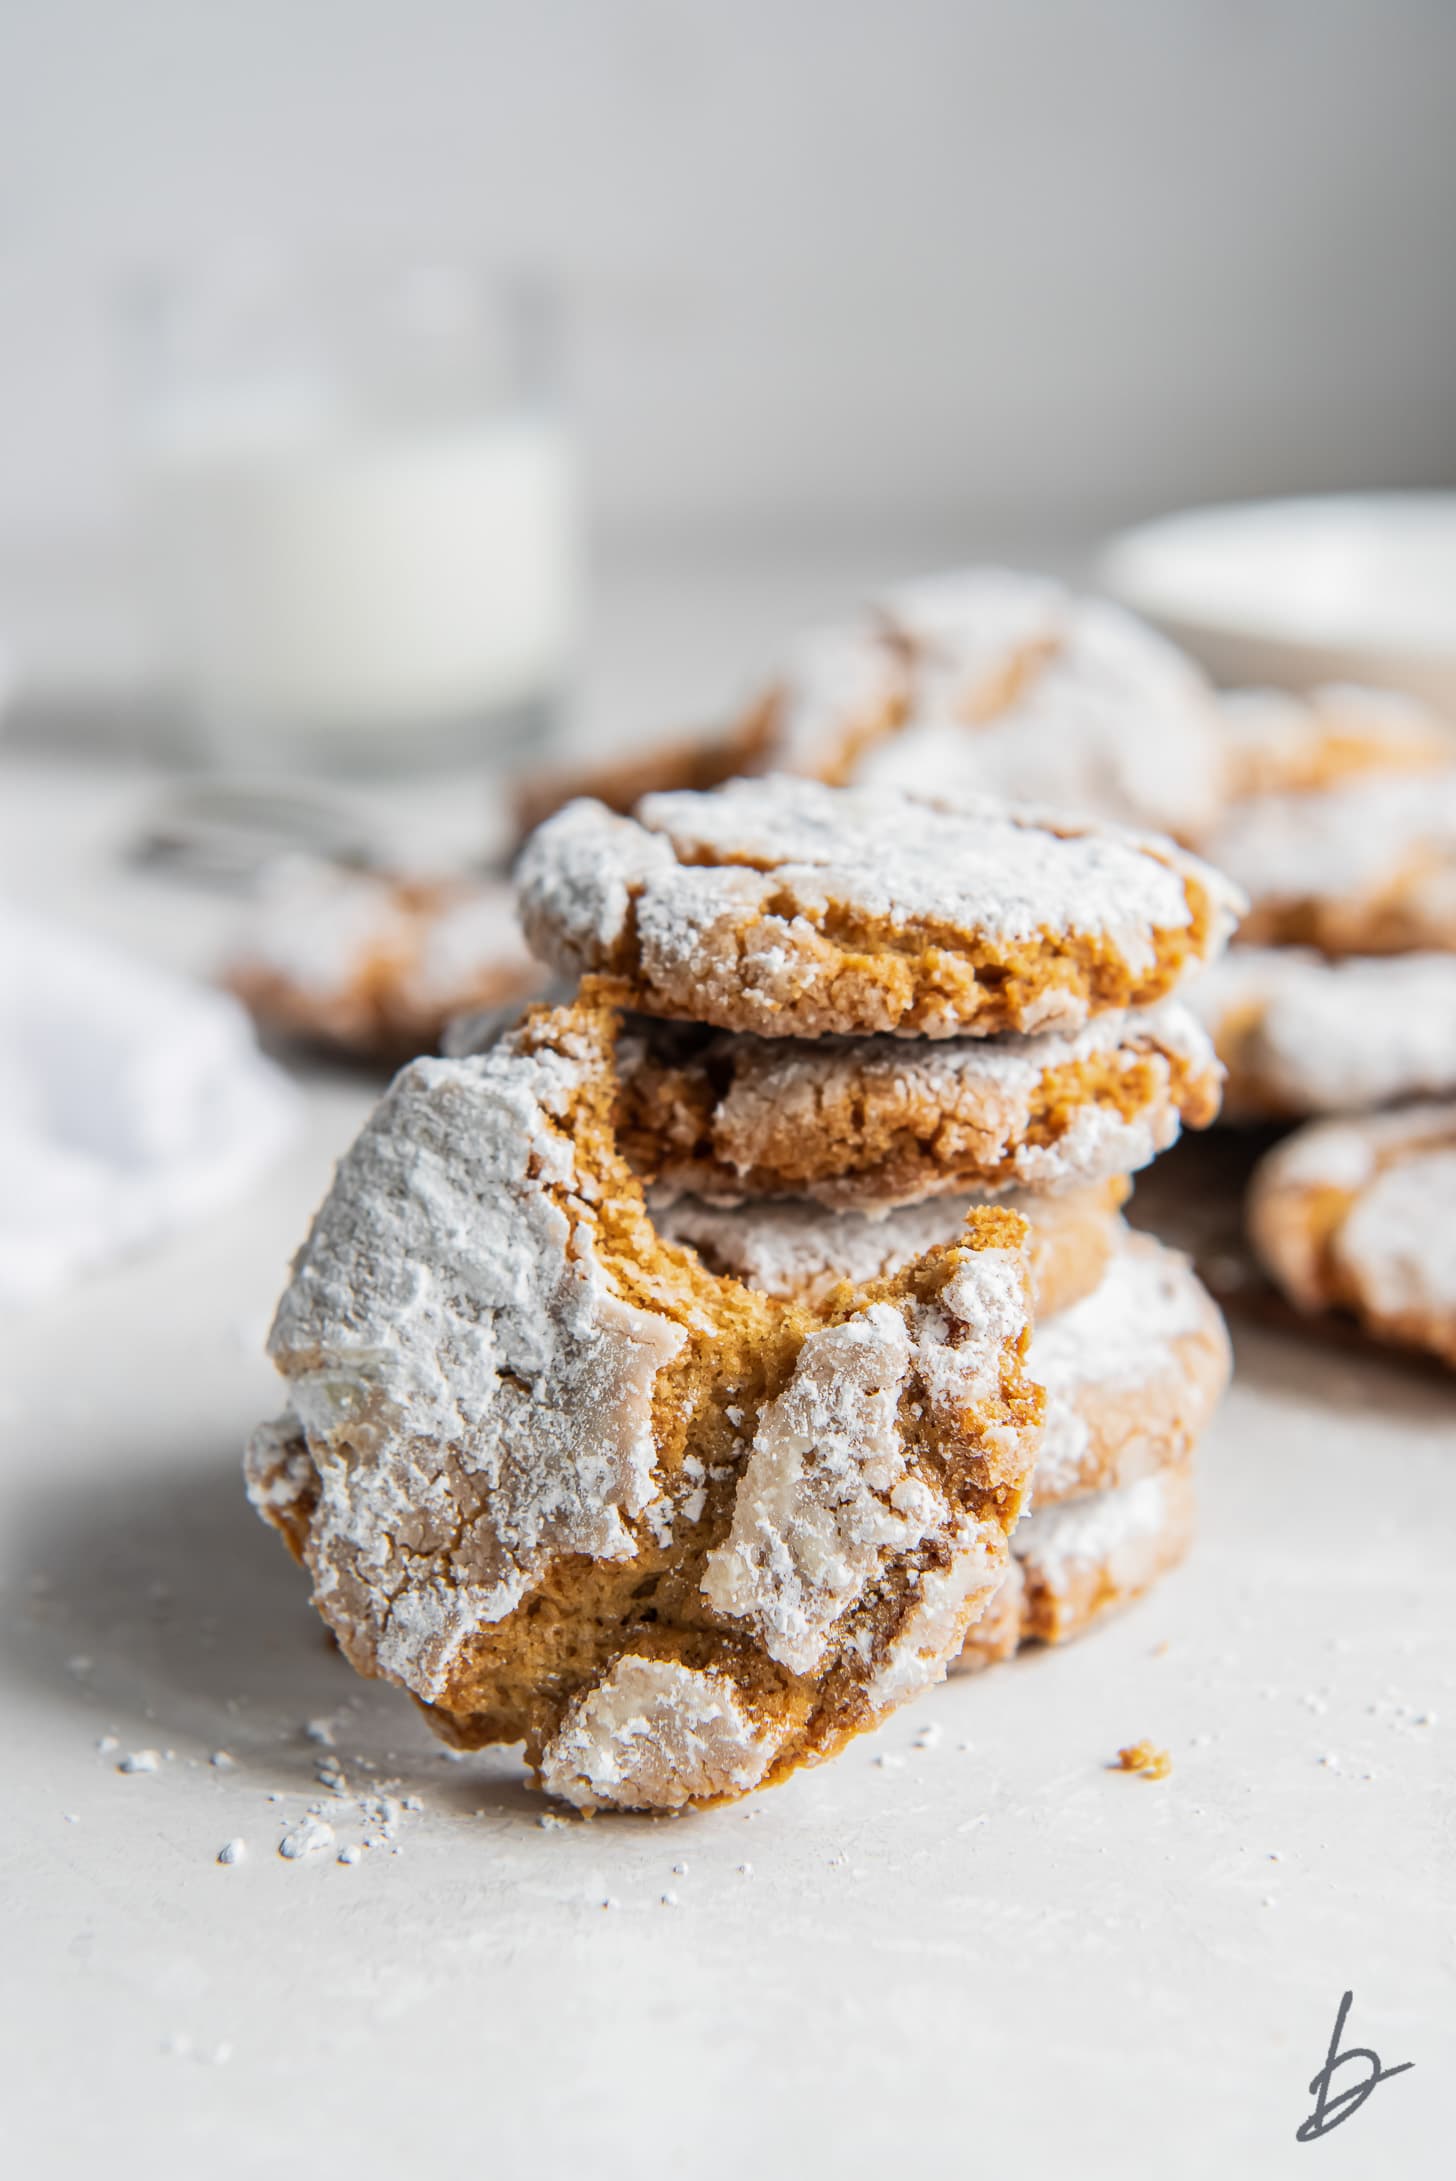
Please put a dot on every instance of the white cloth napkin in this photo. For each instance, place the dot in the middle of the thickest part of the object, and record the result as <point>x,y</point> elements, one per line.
<point>132,1103</point>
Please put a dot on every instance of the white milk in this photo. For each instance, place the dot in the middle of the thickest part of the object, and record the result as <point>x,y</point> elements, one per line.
<point>331,581</point>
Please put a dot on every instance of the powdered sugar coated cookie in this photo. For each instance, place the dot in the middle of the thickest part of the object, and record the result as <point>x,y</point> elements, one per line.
<point>1366,867</point>
<point>376,964</point>
<point>870,1123</point>
<point>1360,1215</point>
<point>796,1249</point>
<point>555,1477</point>
<point>1132,1374</point>
<point>1299,1034</point>
<point>787,908</point>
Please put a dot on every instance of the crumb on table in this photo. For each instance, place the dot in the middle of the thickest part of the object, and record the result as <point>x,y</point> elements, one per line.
<point>1143,1758</point>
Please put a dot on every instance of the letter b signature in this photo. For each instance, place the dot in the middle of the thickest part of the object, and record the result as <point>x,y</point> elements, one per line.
<point>1330,2108</point>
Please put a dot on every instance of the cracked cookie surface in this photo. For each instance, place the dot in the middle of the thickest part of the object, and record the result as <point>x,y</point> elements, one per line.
<point>787,908</point>
<point>866,1124</point>
<point>1133,1363</point>
<point>570,1487</point>
<point>981,681</point>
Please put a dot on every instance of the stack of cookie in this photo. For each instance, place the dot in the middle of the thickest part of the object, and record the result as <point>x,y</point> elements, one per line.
<point>1340,1001</point>
<point>667,1386</point>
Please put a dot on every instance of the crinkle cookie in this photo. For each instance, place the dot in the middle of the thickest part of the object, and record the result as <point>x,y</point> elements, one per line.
<point>1299,1034</point>
<point>1133,1364</point>
<point>799,1250</point>
<point>789,909</point>
<point>567,1486</point>
<point>865,1124</point>
<point>1132,1373</point>
<point>1075,1562</point>
<point>981,681</point>
<point>1018,688</point>
<point>1274,743</point>
<point>377,965</point>
<point>1360,1215</point>
<point>1368,867</point>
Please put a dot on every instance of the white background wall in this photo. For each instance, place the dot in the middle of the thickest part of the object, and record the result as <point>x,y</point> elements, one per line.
<point>830,263</point>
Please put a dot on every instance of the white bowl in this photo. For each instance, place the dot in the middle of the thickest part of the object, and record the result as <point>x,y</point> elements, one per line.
<point>1357,587</point>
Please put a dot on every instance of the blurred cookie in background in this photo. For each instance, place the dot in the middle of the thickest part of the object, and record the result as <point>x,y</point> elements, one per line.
<point>1275,743</point>
<point>1300,1035</point>
<point>980,680</point>
<point>1359,1216</point>
<point>375,965</point>
<point>1367,866</point>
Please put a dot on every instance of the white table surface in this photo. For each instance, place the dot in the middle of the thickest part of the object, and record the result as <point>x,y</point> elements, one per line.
<point>969,1950</point>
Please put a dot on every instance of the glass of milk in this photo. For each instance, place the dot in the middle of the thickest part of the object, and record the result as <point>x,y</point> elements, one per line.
<point>358,511</point>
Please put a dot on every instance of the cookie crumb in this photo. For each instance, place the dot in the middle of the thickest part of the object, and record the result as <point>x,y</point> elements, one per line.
<point>1144,1758</point>
<point>349,1854</point>
<point>307,1837</point>
<point>139,1760</point>
<point>232,1851</point>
